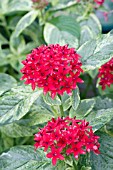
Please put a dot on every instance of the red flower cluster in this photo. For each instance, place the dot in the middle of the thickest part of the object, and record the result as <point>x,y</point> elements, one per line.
<point>40,4</point>
<point>106,74</point>
<point>65,136</point>
<point>54,68</point>
<point>99,2</point>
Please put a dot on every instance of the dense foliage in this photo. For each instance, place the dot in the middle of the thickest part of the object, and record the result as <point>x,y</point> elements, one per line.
<point>71,28</point>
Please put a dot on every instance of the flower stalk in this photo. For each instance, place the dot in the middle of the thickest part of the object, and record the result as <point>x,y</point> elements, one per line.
<point>61,111</point>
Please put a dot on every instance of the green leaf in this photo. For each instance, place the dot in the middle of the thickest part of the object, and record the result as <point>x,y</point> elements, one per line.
<point>3,6</point>
<point>62,30</point>
<point>67,104</point>
<point>16,103</point>
<point>103,103</point>
<point>84,108</point>
<point>15,6</point>
<point>53,35</point>
<point>51,101</point>
<point>86,34</point>
<point>6,82</point>
<point>105,159</point>
<point>87,51</point>
<point>96,52</point>
<point>15,62</point>
<point>23,157</point>
<point>93,24</point>
<point>67,24</point>
<point>39,104</point>
<point>102,112</point>
<point>62,6</point>
<point>35,32</point>
<point>19,48</point>
<point>4,56</point>
<point>25,21</point>
<point>39,117</point>
<point>99,118</point>
<point>5,143</point>
<point>15,130</point>
<point>85,168</point>
<point>28,47</point>
<point>66,101</point>
<point>109,128</point>
<point>17,44</point>
<point>13,22</point>
<point>20,5</point>
<point>75,99</point>
<point>3,40</point>
<point>38,114</point>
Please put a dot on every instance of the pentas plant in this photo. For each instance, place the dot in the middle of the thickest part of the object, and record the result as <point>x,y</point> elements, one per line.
<point>54,68</point>
<point>66,136</point>
<point>106,74</point>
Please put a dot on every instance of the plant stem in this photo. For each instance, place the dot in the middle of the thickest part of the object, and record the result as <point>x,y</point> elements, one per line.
<point>61,107</point>
<point>54,111</point>
<point>61,111</point>
<point>75,165</point>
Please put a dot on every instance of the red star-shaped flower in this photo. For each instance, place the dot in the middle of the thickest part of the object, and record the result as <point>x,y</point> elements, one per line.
<point>55,154</point>
<point>76,149</point>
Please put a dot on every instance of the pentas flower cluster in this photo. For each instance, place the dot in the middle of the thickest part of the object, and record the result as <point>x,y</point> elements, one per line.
<point>99,2</point>
<point>106,74</point>
<point>66,136</point>
<point>54,68</point>
<point>40,4</point>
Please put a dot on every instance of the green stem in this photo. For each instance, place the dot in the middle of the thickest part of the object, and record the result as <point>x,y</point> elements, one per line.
<point>61,111</point>
<point>75,165</point>
<point>54,111</point>
<point>88,9</point>
<point>61,107</point>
